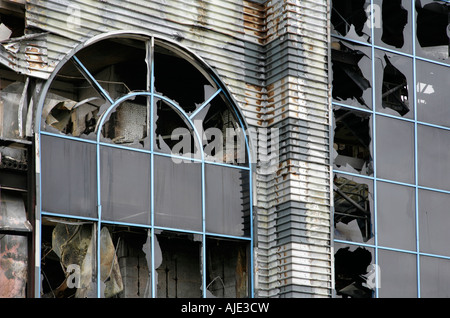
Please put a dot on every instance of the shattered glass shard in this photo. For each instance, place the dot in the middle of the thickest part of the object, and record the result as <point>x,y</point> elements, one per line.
<point>395,89</point>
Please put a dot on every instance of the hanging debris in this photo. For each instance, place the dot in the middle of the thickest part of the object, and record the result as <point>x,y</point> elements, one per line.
<point>432,22</point>
<point>352,141</point>
<point>348,79</point>
<point>395,89</point>
<point>351,268</point>
<point>349,13</point>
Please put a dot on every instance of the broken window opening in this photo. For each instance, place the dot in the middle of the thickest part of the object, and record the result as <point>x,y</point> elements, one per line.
<point>68,264</point>
<point>181,80</point>
<point>432,28</point>
<point>223,137</point>
<point>12,20</point>
<point>172,132</point>
<point>352,208</point>
<point>350,16</point>
<point>394,20</point>
<point>129,275</point>
<point>179,272</point>
<point>395,89</point>
<point>127,123</point>
<point>353,273</point>
<point>72,105</point>
<point>348,78</point>
<point>353,141</point>
<point>227,269</point>
<point>110,61</point>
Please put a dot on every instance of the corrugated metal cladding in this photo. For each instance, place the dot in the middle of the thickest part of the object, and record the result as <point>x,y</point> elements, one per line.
<point>297,203</point>
<point>273,57</point>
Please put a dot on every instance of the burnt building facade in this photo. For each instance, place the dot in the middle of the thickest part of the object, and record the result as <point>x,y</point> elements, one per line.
<point>223,148</point>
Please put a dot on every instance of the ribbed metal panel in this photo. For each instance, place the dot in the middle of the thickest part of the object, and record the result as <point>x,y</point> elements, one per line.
<point>296,209</point>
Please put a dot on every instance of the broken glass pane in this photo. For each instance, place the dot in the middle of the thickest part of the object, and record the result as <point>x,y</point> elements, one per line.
<point>179,270</point>
<point>68,172</point>
<point>227,200</point>
<point>125,185</point>
<point>180,80</point>
<point>433,161</point>
<point>433,222</point>
<point>434,277</point>
<point>353,141</point>
<point>110,61</point>
<point>351,19</point>
<point>72,105</point>
<point>432,33</point>
<point>68,262</point>
<point>172,133</point>
<point>127,124</point>
<point>353,206</point>
<point>396,216</point>
<point>354,271</point>
<point>397,274</point>
<point>395,149</point>
<point>227,268</point>
<point>178,195</point>
<point>223,137</point>
<point>394,84</point>
<point>13,266</point>
<point>351,71</point>
<point>126,262</point>
<point>393,25</point>
<point>110,274</point>
<point>433,93</point>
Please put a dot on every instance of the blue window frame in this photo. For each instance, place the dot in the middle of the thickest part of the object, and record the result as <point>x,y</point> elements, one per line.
<point>390,69</point>
<point>143,152</point>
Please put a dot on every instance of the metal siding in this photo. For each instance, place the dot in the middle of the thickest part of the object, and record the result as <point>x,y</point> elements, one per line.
<point>297,206</point>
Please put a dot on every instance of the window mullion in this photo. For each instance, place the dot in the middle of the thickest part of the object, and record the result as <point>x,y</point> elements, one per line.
<point>91,79</point>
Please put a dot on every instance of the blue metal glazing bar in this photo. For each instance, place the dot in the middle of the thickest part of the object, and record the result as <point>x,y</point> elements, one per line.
<point>416,178</point>
<point>199,109</point>
<point>91,79</point>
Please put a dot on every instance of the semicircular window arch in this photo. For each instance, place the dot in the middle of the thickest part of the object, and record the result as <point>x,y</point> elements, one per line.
<point>137,132</point>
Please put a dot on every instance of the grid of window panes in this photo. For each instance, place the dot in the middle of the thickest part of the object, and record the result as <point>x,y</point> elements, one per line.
<point>391,149</point>
<point>137,197</point>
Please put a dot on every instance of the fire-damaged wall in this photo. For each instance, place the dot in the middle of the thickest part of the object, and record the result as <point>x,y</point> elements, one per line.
<point>273,57</point>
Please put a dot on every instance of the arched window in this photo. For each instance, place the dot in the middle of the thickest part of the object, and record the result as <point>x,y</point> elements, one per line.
<point>145,176</point>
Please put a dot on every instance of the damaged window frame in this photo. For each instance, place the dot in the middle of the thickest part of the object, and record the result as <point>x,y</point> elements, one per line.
<point>202,235</point>
<point>410,118</point>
